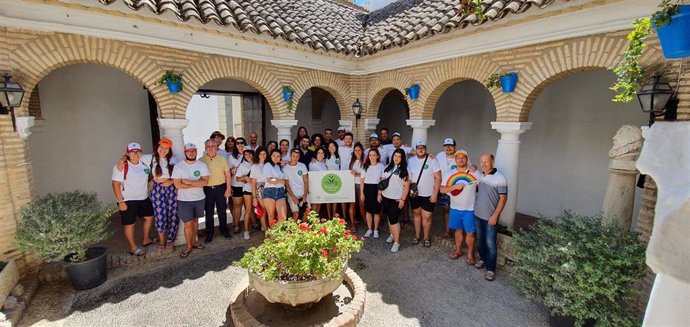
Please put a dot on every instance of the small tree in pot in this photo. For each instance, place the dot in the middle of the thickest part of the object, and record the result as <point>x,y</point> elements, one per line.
<point>61,227</point>
<point>578,267</point>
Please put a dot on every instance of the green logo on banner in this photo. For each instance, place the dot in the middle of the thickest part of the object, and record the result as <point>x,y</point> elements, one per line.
<point>331,183</point>
<point>197,173</point>
<point>299,173</point>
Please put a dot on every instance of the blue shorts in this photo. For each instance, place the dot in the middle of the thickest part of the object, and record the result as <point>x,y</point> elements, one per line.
<point>461,220</point>
<point>274,193</point>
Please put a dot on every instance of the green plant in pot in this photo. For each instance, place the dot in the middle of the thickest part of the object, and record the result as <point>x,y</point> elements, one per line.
<point>578,267</point>
<point>173,81</point>
<point>61,227</point>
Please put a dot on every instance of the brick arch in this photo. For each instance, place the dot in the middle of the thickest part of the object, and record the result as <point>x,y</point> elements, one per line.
<point>334,84</point>
<point>34,60</point>
<point>585,54</point>
<point>380,86</point>
<point>252,73</point>
<point>445,75</point>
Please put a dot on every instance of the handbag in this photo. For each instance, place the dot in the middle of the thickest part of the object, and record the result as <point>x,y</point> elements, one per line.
<point>413,187</point>
<point>384,183</point>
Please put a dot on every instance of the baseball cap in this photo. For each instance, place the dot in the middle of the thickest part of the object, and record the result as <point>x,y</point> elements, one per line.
<point>395,134</point>
<point>133,147</point>
<point>373,136</point>
<point>461,152</point>
<point>190,146</point>
<point>420,143</point>
<point>165,142</point>
<point>341,129</point>
<point>216,133</point>
<point>247,148</point>
<point>449,141</point>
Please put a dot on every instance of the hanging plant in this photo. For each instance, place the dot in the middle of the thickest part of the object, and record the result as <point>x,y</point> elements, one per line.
<point>629,72</point>
<point>172,80</point>
<point>288,94</point>
<point>412,91</point>
<point>468,7</point>
<point>507,81</point>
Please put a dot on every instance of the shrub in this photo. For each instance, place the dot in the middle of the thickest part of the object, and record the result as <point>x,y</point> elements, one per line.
<point>59,224</point>
<point>294,251</point>
<point>578,267</point>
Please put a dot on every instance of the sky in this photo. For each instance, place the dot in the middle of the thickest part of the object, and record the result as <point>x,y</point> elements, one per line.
<point>373,4</point>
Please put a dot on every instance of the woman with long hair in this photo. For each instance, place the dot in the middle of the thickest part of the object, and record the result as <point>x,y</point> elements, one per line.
<point>372,170</point>
<point>242,176</point>
<point>316,142</point>
<point>301,132</point>
<point>284,146</point>
<point>258,181</point>
<point>356,170</point>
<point>318,164</point>
<point>231,148</point>
<point>274,189</point>
<point>394,196</point>
<point>235,159</point>
<point>164,195</point>
<point>332,163</point>
<point>272,145</point>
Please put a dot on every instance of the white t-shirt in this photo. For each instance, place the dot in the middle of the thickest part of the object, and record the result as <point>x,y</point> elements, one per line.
<point>390,148</point>
<point>340,142</point>
<point>382,152</point>
<point>294,175</point>
<point>165,173</point>
<point>345,156</point>
<point>193,172</point>
<point>271,171</point>
<point>135,186</point>
<point>446,163</point>
<point>373,174</point>
<point>234,163</point>
<point>464,200</point>
<point>242,171</point>
<point>357,167</point>
<point>333,163</point>
<point>396,186</point>
<point>257,173</point>
<point>286,158</point>
<point>317,166</point>
<point>425,187</point>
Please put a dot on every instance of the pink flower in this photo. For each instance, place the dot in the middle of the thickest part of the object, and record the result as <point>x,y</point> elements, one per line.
<point>323,220</point>
<point>323,231</point>
<point>347,232</point>
<point>354,237</point>
<point>304,227</point>
<point>337,215</point>
<point>324,252</point>
<point>341,221</point>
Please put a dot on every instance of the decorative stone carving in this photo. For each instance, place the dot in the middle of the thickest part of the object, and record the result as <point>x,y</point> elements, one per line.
<point>620,192</point>
<point>24,124</point>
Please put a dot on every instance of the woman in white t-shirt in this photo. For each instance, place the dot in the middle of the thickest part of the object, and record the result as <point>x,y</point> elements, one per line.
<point>318,164</point>
<point>355,166</point>
<point>258,181</point>
<point>372,170</point>
<point>235,158</point>
<point>164,195</point>
<point>242,176</point>
<point>394,196</point>
<point>333,162</point>
<point>274,189</point>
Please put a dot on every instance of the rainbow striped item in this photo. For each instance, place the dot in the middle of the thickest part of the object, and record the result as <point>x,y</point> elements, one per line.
<point>464,178</point>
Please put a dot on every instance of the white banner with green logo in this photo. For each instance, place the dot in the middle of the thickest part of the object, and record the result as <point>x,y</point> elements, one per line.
<point>332,186</point>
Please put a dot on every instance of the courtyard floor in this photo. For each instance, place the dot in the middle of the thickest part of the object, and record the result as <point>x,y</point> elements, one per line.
<point>416,287</point>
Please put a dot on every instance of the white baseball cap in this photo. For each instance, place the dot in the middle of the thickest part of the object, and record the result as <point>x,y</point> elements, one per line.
<point>190,146</point>
<point>449,141</point>
<point>373,136</point>
<point>133,147</point>
<point>341,129</point>
<point>247,148</point>
<point>420,143</point>
<point>395,134</point>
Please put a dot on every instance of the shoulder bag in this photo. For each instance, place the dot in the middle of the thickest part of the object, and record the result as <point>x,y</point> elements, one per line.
<point>384,183</point>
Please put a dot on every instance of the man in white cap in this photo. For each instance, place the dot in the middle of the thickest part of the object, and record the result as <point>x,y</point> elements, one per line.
<point>190,177</point>
<point>425,175</point>
<point>375,144</point>
<point>446,161</point>
<point>341,136</point>
<point>397,144</point>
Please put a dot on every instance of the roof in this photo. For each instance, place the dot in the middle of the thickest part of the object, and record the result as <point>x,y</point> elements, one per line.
<point>334,26</point>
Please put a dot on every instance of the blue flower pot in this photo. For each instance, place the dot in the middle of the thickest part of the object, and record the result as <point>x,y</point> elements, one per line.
<point>675,37</point>
<point>174,87</point>
<point>413,91</point>
<point>509,81</point>
<point>287,95</point>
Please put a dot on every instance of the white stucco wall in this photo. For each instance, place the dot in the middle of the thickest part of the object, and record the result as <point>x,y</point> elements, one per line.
<point>564,157</point>
<point>91,112</point>
<point>203,120</point>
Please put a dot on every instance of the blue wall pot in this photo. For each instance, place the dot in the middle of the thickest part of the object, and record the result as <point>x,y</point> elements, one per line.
<point>509,81</point>
<point>174,87</point>
<point>287,95</point>
<point>675,37</point>
<point>413,91</point>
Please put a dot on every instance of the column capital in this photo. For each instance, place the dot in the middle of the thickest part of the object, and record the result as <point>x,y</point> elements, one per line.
<point>172,123</point>
<point>284,123</point>
<point>420,123</point>
<point>347,124</point>
<point>24,124</point>
<point>516,128</point>
<point>371,123</point>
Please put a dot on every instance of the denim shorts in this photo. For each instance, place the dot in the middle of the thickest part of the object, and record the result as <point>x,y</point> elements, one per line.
<point>274,193</point>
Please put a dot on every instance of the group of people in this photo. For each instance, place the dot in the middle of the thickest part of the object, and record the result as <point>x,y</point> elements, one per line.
<point>271,183</point>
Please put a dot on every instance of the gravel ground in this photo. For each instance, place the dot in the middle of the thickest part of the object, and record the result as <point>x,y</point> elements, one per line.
<point>416,287</point>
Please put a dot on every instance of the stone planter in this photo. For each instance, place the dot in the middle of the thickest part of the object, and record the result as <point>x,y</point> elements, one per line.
<point>294,293</point>
<point>9,277</point>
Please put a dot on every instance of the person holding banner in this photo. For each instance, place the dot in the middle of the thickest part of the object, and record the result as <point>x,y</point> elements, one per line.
<point>372,170</point>
<point>297,176</point>
<point>394,196</point>
<point>319,164</point>
<point>333,162</point>
<point>258,181</point>
<point>274,189</point>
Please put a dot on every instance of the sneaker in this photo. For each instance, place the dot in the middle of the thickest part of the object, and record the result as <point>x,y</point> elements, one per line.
<point>246,235</point>
<point>395,248</point>
<point>389,239</point>
<point>376,234</point>
<point>368,233</point>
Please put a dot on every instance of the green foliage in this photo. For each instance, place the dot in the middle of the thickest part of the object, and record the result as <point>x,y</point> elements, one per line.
<point>472,7</point>
<point>629,72</point>
<point>578,267</point>
<point>290,103</point>
<point>494,80</point>
<point>59,224</point>
<point>294,251</point>
<point>171,77</point>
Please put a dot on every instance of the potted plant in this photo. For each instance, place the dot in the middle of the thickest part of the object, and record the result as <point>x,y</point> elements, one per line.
<point>506,81</point>
<point>413,91</point>
<point>300,262</point>
<point>672,23</point>
<point>172,80</point>
<point>579,268</point>
<point>9,277</point>
<point>288,94</point>
<point>61,227</point>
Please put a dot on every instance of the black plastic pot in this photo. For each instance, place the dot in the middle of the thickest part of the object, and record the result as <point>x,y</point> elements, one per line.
<point>568,321</point>
<point>89,273</point>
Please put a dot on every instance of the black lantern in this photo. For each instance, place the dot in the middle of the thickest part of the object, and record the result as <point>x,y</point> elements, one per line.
<point>11,95</point>
<point>357,109</point>
<point>657,98</point>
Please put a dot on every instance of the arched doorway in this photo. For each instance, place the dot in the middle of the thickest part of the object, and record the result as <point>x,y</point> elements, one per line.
<point>393,113</point>
<point>317,110</point>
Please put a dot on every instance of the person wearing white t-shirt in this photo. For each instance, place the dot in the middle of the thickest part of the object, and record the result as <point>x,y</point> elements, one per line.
<point>396,143</point>
<point>164,195</point>
<point>355,166</point>
<point>274,189</point>
<point>426,175</point>
<point>394,196</point>
<point>258,182</point>
<point>375,144</point>
<point>333,162</point>
<point>341,136</point>
<point>318,164</point>
<point>463,193</point>
<point>130,186</point>
<point>345,154</point>
<point>242,174</point>
<point>284,146</point>
<point>446,161</point>
<point>372,170</point>
<point>190,177</point>
<point>297,176</point>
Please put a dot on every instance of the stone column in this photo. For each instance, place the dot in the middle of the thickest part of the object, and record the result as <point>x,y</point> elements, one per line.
<point>507,162</point>
<point>620,192</point>
<point>370,127</point>
<point>172,129</point>
<point>419,129</point>
<point>284,127</point>
<point>665,159</point>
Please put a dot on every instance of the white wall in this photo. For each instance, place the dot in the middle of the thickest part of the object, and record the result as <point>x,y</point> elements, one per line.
<point>203,120</point>
<point>393,114</point>
<point>564,157</point>
<point>91,112</point>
